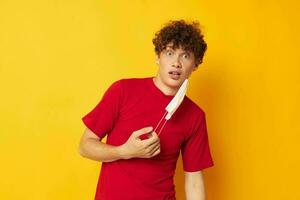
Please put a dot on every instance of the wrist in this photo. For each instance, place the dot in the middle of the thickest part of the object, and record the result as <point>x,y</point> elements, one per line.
<point>121,150</point>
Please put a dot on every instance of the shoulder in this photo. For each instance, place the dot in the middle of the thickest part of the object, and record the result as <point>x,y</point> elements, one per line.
<point>132,84</point>
<point>129,87</point>
<point>194,113</point>
<point>132,81</point>
<point>194,107</point>
<point>125,82</point>
<point>196,116</point>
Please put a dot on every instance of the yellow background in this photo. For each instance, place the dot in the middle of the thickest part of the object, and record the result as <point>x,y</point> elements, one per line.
<point>58,57</point>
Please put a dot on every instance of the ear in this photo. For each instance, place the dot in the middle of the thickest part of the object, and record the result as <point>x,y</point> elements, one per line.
<point>157,59</point>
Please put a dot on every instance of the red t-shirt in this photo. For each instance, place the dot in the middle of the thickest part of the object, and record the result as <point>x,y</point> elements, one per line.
<point>131,104</point>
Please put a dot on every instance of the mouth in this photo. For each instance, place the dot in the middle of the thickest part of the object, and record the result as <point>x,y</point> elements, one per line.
<point>175,75</point>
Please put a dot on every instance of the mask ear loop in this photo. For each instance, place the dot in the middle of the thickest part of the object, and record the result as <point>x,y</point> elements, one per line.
<point>162,125</point>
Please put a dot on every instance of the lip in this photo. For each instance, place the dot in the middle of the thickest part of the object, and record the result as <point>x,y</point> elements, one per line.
<point>176,71</point>
<point>174,76</point>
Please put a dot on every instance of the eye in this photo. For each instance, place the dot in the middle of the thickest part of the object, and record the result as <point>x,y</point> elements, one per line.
<point>187,56</point>
<point>169,53</point>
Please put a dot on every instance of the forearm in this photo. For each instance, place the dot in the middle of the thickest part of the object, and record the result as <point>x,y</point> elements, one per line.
<point>96,150</point>
<point>194,188</point>
<point>195,193</point>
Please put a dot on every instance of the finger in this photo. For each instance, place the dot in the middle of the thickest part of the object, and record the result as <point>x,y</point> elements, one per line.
<point>154,149</point>
<point>156,152</point>
<point>152,134</point>
<point>150,150</point>
<point>151,140</point>
<point>142,131</point>
<point>153,146</point>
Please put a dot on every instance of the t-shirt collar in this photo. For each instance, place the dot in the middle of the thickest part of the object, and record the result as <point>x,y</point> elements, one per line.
<point>156,90</point>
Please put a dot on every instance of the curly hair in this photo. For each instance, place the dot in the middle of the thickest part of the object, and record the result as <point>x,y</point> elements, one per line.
<point>182,34</point>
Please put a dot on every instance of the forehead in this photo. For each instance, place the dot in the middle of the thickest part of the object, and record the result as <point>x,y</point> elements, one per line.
<point>180,49</point>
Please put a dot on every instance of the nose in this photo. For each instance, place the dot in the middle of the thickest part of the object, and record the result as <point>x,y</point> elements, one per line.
<point>176,63</point>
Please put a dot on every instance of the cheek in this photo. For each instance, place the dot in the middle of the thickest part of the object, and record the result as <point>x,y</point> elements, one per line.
<point>163,64</point>
<point>165,59</point>
<point>189,70</point>
<point>162,60</point>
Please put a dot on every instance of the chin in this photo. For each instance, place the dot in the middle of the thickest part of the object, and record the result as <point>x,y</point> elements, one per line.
<point>174,83</point>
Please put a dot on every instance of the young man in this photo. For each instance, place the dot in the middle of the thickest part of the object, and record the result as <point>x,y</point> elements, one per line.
<point>137,163</point>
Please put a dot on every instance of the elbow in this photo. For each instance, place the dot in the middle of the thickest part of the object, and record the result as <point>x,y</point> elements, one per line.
<point>81,150</point>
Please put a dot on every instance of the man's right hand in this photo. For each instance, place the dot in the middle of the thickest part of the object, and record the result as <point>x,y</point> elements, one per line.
<point>137,148</point>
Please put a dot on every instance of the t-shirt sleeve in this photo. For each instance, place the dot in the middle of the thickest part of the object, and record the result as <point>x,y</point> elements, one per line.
<point>101,119</point>
<point>196,153</point>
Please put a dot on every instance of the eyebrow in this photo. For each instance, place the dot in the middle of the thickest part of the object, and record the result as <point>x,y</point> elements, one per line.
<point>172,47</point>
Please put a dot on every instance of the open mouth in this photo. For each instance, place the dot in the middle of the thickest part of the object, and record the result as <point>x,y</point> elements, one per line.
<point>175,75</point>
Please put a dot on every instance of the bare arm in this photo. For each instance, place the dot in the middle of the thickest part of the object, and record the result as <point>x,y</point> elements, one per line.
<point>194,186</point>
<point>91,147</point>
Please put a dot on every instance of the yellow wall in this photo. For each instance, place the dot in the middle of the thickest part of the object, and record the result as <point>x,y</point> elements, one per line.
<point>58,57</point>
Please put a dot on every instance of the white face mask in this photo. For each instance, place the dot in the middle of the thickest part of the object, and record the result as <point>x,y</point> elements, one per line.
<point>177,100</point>
<point>174,104</point>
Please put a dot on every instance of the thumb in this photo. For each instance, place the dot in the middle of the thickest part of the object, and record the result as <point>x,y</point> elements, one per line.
<point>153,134</point>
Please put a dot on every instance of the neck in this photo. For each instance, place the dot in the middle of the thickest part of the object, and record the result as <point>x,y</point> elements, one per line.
<point>163,87</point>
